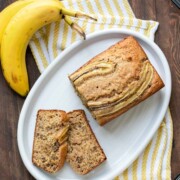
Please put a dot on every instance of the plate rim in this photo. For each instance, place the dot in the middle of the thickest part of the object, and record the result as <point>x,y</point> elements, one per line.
<point>55,62</point>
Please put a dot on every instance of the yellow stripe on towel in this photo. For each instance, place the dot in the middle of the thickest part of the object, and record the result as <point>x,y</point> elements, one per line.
<point>40,52</point>
<point>130,15</point>
<point>138,26</point>
<point>74,34</point>
<point>101,12</point>
<point>170,136</point>
<point>128,9</point>
<point>120,13</point>
<point>65,36</point>
<point>91,10</point>
<point>125,174</point>
<point>144,161</point>
<point>155,152</point>
<point>134,169</point>
<point>55,39</point>
<point>81,8</point>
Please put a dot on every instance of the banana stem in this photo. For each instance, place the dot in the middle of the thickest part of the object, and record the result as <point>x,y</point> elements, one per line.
<point>76,14</point>
<point>82,15</point>
<point>75,27</point>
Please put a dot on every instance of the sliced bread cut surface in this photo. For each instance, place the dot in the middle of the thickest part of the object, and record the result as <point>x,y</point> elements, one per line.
<point>84,151</point>
<point>50,140</point>
<point>116,80</point>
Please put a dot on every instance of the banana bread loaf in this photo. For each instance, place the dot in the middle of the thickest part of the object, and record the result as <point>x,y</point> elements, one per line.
<point>116,80</point>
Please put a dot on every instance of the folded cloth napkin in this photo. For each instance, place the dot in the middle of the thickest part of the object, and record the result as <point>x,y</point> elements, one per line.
<point>47,44</point>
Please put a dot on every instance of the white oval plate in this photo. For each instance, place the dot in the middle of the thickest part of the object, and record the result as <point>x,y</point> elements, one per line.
<point>122,139</point>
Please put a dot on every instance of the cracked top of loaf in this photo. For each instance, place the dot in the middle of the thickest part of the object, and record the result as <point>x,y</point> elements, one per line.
<point>116,80</point>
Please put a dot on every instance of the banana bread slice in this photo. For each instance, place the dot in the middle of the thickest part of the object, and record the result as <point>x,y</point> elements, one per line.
<point>116,80</point>
<point>50,140</point>
<point>84,151</point>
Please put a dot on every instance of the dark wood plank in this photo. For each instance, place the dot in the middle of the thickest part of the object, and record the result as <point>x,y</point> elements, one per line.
<point>11,164</point>
<point>11,104</point>
<point>174,45</point>
<point>167,38</point>
<point>144,9</point>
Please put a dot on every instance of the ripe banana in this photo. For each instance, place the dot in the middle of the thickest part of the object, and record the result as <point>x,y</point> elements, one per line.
<point>7,14</point>
<point>18,33</point>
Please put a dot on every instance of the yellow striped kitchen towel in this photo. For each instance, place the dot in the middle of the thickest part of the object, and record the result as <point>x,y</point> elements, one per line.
<point>47,44</point>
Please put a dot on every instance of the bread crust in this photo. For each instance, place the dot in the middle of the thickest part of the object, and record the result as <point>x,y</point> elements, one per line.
<point>62,148</point>
<point>136,55</point>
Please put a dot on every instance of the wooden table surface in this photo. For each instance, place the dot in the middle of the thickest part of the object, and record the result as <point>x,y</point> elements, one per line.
<point>167,37</point>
